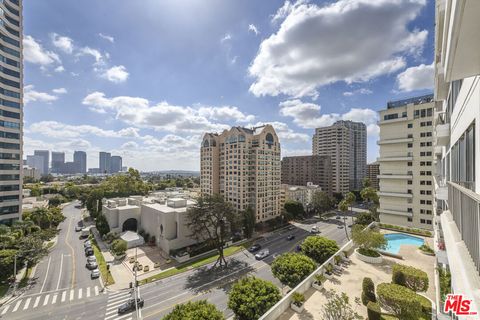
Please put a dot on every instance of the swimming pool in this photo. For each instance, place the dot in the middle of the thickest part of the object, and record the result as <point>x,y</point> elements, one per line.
<point>395,240</point>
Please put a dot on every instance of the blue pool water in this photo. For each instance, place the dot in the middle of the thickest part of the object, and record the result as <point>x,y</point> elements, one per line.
<point>395,240</point>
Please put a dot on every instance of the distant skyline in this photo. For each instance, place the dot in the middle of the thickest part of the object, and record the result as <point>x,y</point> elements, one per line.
<point>149,80</point>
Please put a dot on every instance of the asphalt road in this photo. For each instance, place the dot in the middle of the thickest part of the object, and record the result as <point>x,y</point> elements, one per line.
<point>66,286</point>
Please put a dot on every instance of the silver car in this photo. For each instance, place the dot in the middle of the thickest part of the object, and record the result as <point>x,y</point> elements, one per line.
<point>91,259</point>
<point>95,273</point>
<point>262,254</point>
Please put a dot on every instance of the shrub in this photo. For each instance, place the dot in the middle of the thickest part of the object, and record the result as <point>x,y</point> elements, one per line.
<point>198,310</point>
<point>399,300</point>
<point>368,238</point>
<point>119,246</point>
<point>368,252</point>
<point>319,248</point>
<point>410,277</point>
<point>373,310</point>
<point>292,268</point>
<point>320,278</point>
<point>298,299</point>
<point>426,306</point>
<point>337,259</point>
<point>329,268</point>
<point>425,248</point>
<point>364,218</point>
<point>368,291</point>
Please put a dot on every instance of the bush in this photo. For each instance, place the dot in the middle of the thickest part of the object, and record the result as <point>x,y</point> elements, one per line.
<point>198,310</point>
<point>368,291</point>
<point>298,299</point>
<point>399,300</point>
<point>425,248</point>
<point>368,252</point>
<point>318,248</point>
<point>368,238</point>
<point>292,268</point>
<point>320,278</point>
<point>119,246</point>
<point>373,310</point>
<point>410,277</point>
<point>364,218</point>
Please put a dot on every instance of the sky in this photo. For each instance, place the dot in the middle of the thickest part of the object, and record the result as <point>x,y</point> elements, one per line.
<point>146,79</point>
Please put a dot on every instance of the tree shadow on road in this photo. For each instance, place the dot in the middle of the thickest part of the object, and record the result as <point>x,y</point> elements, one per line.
<point>206,277</point>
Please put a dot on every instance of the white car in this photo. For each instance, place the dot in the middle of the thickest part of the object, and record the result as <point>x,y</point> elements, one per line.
<point>95,273</point>
<point>91,259</point>
<point>314,230</point>
<point>262,254</point>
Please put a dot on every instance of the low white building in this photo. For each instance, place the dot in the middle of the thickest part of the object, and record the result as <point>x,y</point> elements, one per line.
<point>302,194</point>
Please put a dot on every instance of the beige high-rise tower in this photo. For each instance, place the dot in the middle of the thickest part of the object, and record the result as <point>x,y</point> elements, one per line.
<point>11,110</point>
<point>243,165</point>
<point>345,142</point>
<point>406,162</point>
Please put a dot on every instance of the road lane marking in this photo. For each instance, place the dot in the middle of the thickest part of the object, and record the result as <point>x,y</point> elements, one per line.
<point>115,304</point>
<point>54,299</point>
<point>5,310</point>
<point>46,273</point>
<point>64,295</point>
<point>80,293</point>
<point>118,298</point>
<point>72,293</point>
<point>17,305</point>
<point>47,297</point>
<point>36,302</point>
<point>60,273</point>
<point>121,317</point>
<point>73,251</point>
<point>96,290</point>
<point>88,292</point>
<point>27,303</point>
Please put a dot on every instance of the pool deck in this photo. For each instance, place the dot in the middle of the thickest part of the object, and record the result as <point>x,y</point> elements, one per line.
<point>350,280</point>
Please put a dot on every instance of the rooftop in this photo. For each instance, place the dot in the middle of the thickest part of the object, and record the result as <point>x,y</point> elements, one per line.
<point>414,100</point>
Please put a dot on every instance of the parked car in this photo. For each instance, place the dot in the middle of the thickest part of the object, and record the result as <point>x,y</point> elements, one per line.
<point>91,265</point>
<point>262,254</point>
<point>95,274</point>
<point>338,217</point>
<point>314,230</point>
<point>78,228</point>
<point>87,244</point>
<point>91,259</point>
<point>130,305</point>
<point>291,228</point>
<point>254,248</point>
<point>89,252</point>
<point>290,237</point>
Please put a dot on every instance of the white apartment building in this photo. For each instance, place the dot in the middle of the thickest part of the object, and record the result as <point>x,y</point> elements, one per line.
<point>11,110</point>
<point>243,165</point>
<point>406,163</point>
<point>345,142</point>
<point>302,194</point>
<point>457,137</point>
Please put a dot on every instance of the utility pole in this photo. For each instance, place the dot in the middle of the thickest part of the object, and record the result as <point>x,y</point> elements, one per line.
<point>135,288</point>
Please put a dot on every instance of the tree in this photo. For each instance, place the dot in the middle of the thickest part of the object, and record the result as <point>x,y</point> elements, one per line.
<point>56,201</point>
<point>410,277</point>
<point>343,206</point>
<point>294,209</point>
<point>46,178</point>
<point>7,257</point>
<point>249,219</point>
<point>399,300</point>
<point>251,297</point>
<point>212,219</point>
<point>102,224</point>
<point>364,218</point>
<point>31,249</point>
<point>319,248</point>
<point>321,202</point>
<point>198,310</point>
<point>292,268</point>
<point>366,183</point>
<point>368,291</point>
<point>370,195</point>
<point>119,246</point>
<point>367,238</point>
<point>35,190</point>
<point>338,307</point>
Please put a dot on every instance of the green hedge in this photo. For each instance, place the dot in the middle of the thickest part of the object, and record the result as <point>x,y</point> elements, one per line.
<point>405,229</point>
<point>410,277</point>
<point>368,252</point>
<point>399,300</point>
<point>368,291</point>
<point>373,311</point>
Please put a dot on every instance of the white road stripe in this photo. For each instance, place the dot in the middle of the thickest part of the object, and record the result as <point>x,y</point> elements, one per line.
<point>88,292</point>
<point>46,274</point>
<point>118,298</point>
<point>54,298</point>
<point>80,293</point>
<point>37,300</point>
<point>64,295</point>
<point>5,310</point>
<point>128,315</point>
<point>47,297</point>
<point>17,305</point>
<point>27,303</point>
<point>109,312</point>
<point>60,273</point>
<point>96,290</point>
<point>116,294</point>
<point>72,293</point>
<point>111,306</point>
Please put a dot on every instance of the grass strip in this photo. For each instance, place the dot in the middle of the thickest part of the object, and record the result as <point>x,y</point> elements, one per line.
<point>102,265</point>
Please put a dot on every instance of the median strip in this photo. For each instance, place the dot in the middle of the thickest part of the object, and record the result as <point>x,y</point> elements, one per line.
<point>102,265</point>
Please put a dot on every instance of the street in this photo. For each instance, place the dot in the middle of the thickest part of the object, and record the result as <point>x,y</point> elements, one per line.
<point>64,290</point>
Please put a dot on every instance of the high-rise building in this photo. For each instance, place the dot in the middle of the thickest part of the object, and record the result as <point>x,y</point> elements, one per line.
<point>115,164</point>
<point>243,166</point>
<point>11,107</point>
<point>373,170</point>
<point>406,162</point>
<point>345,142</point>
<point>300,170</point>
<point>37,163</point>
<point>104,162</point>
<point>457,145</point>
<point>46,160</point>
<point>58,160</point>
<point>80,160</point>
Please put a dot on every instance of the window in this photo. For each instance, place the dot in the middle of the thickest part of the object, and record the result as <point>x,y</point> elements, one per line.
<point>410,125</point>
<point>409,163</point>
<point>409,182</point>
<point>410,145</point>
<point>422,221</point>
<point>409,219</point>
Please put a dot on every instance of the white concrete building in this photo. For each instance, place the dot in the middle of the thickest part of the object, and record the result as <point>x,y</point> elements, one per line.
<point>457,138</point>
<point>302,194</point>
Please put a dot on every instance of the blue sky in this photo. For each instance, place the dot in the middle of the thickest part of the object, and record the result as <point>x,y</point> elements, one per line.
<point>144,79</point>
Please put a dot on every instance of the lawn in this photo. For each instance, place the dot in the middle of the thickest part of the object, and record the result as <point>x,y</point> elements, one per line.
<point>195,264</point>
<point>102,265</point>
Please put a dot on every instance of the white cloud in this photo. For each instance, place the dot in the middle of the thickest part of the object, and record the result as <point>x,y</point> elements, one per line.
<point>225,113</point>
<point>60,91</point>
<point>226,37</point>
<point>31,95</point>
<point>349,40</point>
<point>106,37</point>
<point>284,133</point>
<point>253,28</point>
<point>116,74</point>
<point>64,43</point>
<point>286,9</point>
<point>416,78</point>
<point>87,51</point>
<point>34,53</point>
<point>59,69</point>
<point>358,91</point>
<point>54,129</point>
<point>130,145</point>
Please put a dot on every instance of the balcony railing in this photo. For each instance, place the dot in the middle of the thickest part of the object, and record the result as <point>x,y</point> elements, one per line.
<point>464,205</point>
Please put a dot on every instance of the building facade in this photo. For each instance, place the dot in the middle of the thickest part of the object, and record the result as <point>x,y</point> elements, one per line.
<point>80,159</point>
<point>406,163</point>
<point>345,142</point>
<point>457,145</point>
<point>104,162</point>
<point>115,164</point>
<point>373,170</point>
<point>58,160</point>
<point>303,194</point>
<point>243,166</point>
<point>11,110</point>
<point>37,163</point>
<point>45,154</point>
<point>300,170</point>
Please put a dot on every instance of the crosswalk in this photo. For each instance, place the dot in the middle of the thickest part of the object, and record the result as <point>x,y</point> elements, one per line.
<point>114,301</point>
<point>51,298</point>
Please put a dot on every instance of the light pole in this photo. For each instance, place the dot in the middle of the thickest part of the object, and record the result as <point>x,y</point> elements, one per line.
<point>135,288</point>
